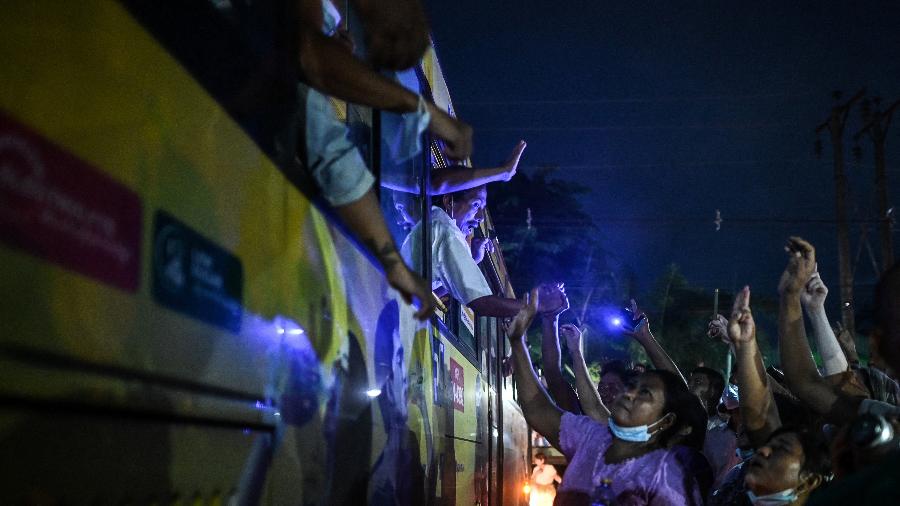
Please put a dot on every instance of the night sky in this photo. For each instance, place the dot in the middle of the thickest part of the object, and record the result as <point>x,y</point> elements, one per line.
<point>669,112</point>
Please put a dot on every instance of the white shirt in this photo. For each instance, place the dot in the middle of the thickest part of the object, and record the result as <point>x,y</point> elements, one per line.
<point>452,265</point>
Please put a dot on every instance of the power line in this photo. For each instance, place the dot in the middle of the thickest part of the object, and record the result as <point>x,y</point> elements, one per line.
<point>636,100</point>
<point>626,128</point>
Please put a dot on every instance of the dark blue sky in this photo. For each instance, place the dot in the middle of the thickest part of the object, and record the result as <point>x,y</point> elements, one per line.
<point>670,110</point>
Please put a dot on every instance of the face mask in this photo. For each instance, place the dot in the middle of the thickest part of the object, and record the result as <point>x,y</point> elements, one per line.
<point>744,454</point>
<point>784,497</point>
<point>639,434</point>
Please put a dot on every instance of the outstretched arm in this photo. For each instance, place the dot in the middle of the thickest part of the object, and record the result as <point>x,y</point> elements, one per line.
<point>329,67</point>
<point>540,411</point>
<point>658,356</point>
<point>591,404</point>
<point>495,305</point>
<point>757,403</point>
<point>559,388</point>
<point>799,367</point>
<point>458,177</point>
<point>363,217</point>
<point>812,298</point>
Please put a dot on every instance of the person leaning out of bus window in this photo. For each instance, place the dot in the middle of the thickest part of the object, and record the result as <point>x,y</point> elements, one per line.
<point>454,271</point>
<point>328,67</point>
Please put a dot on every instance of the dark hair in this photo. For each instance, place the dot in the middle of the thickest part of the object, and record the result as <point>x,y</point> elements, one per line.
<point>615,366</point>
<point>794,413</point>
<point>686,407</point>
<point>716,384</point>
<point>541,456</point>
<point>816,459</point>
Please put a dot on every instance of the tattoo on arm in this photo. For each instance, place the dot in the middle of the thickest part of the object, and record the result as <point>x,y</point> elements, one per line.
<point>387,253</point>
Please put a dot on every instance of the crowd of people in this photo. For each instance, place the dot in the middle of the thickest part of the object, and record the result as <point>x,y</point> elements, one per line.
<point>811,435</point>
<point>643,435</point>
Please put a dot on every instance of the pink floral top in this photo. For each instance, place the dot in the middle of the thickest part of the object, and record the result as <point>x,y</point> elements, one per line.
<point>655,478</point>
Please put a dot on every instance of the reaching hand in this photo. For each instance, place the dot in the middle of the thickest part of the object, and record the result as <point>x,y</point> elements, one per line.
<point>814,293</point>
<point>800,267</point>
<point>741,328</point>
<point>522,320</point>
<point>718,329</point>
<point>456,134</point>
<point>553,299</point>
<point>638,318</point>
<point>413,289</point>
<point>396,32</point>
<point>572,335</point>
<point>513,162</point>
<point>480,247</point>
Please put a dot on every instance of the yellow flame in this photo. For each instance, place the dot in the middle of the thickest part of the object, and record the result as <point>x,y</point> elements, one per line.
<point>526,489</point>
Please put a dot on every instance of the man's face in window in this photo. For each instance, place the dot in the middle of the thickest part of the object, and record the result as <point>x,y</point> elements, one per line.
<point>467,209</point>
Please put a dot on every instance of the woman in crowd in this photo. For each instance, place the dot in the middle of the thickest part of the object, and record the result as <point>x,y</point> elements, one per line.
<point>542,478</point>
<point>627,459</point>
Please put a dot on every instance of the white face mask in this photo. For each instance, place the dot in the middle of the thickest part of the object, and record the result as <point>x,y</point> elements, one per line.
<point>778,498</point>
<point>639,434</point>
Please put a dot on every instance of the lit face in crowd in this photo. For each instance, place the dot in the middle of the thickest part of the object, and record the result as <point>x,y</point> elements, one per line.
<point>777,466</point>
<point>610,386</point>
<point>641,403</point>
<point>467,208</point>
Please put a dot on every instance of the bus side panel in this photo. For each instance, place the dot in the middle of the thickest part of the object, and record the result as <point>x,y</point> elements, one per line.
<point>313,373</point>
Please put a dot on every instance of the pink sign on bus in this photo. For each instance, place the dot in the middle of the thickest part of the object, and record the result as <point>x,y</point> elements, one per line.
<point>57,207</point>
<point>458,383</point>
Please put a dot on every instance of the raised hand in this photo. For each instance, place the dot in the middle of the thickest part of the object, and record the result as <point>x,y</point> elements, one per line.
<point>512,163</point>
<point>554,300</point>
<point>642,330</point>
<point>741,328</point>
<point>814,293</point>
<point>718,329</point>
<point>572,335</point>
<point>801,266</point>
<point>522,320</point>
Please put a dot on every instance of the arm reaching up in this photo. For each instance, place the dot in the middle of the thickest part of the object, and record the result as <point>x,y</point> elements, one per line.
<point>812,298</point>
<point>799,368</point>
<point>539,410</point>
<point>458,177</point>
<point>552,362</point>
<point>758,408</point>
<point>642,334</point>
<point>591,404</point>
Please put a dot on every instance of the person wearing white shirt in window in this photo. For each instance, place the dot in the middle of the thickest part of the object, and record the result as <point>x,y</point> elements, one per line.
<point>453,268</point>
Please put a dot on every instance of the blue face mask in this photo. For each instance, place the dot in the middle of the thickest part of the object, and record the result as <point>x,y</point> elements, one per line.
<point>639,434</point>
<point>744,454</point>
<point>778,498</point>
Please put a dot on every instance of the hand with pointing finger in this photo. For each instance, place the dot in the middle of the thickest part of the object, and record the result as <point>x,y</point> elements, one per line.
<point>741,327</point>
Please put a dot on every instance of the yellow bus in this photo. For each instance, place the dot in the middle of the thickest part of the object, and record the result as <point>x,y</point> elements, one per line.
<point>183,321</point>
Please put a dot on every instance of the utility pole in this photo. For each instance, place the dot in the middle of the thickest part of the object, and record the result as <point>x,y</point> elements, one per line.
<point>835,125</point>
<point>877,126</point>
